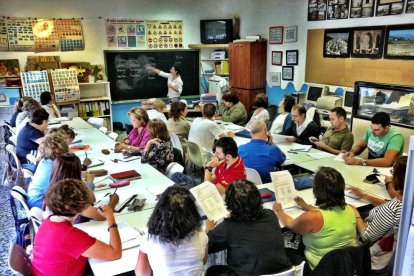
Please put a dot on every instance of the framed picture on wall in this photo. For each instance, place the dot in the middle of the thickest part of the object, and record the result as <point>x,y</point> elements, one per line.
<point>292,57</point>
<point>277,57</point>
<point>389,7</point>
<point>274,78</point>
<point>399,42</point>
<point>336,43</point>
<point>410,6</point>
<point>287,73</point>
<point>276,35</point>
<point>362,8</point>
<point>291,34</point>
<point>338,9</point>
<point>316,10</point>
<point>368,42</point>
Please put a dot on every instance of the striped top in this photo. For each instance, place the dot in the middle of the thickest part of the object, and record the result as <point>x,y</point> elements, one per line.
<point>382,219</point>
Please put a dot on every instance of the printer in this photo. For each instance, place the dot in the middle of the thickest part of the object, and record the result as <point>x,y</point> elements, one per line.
<point>218,55</point>
<point>328,102</point>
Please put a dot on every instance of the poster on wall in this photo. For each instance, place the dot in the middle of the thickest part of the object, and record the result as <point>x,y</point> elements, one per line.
<point>65,85</point>
<point>34,83</point>
<point>125,33</point>
<point>166,34</point>
<point>368,42</point>
<point>338,9</point>
<point>20,34</point>
<point>316,10</point>
<point>35,63</point>
<point>389,7</point>
<point>70,34</point>
<point>45,35</point>
<point>4,45</point>
<point>9,72</point>
<point>362,8</point>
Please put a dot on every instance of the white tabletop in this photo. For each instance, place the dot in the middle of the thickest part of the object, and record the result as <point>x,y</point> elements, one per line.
<point>77,123</point>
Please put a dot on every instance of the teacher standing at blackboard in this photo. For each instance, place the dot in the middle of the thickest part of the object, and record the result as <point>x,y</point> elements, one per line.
<point>175,83</point>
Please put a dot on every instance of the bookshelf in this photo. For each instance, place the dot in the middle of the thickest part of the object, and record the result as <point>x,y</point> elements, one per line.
<point>95,101</point>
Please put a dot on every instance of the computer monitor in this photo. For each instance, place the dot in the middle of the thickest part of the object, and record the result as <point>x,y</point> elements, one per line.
<point>348,101</point>
<point>314,92</point>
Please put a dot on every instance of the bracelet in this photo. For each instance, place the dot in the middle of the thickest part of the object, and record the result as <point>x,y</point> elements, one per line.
<point>113,226</point>
<point>210,169</point>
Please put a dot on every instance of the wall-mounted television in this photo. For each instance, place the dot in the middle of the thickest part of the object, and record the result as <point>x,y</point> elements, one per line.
<point>314,92</point>
<point>216,31</point>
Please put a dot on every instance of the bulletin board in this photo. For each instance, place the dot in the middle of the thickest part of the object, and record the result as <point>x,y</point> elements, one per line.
<point>345,71</point>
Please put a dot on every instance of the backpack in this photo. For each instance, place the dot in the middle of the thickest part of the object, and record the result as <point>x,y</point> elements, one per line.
<point>13,177</point>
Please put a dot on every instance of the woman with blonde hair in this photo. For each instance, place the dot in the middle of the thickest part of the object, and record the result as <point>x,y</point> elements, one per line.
<point>60,248</point>
<point>139,135</point>
<point>159,150</point>
<point>50,147</point>
<point>157,111</point>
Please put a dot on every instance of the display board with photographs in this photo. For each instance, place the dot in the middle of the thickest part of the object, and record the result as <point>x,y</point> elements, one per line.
<point>368,42</point>
<point>338,9</point>
<point>410,6</point>
<point>20,35</point>
<point>166,34</point>
<point>125,33</point>
<point>337,43</point>
<point>36,63</point>
<point>65,85</point>
<point>70,34</point>
<point>389,7</point>
<point>316,10</point>
<point>35,83</point>
<point>362,8</point>
<point>46,35</point>
<point>4,45</point>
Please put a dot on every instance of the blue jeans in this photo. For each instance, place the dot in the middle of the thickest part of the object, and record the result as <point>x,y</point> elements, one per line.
<point>174,99</point>
<point>183,180</point>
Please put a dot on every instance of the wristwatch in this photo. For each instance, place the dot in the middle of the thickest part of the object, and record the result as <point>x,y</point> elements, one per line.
<point>210,169</point>
<point>364,162</point>
<point>113,226</point>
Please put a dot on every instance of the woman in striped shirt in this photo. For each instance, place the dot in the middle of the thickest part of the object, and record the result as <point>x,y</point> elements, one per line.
<point>382,224</point>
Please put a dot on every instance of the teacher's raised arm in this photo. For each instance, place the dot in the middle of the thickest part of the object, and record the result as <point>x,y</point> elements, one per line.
<point>175,83</point>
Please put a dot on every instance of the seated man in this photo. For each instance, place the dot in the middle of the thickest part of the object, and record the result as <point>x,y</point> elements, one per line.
<point>204,131</point>
<point>227,163</point>
<point>232,110</point>
<point>338,138</point>
<point>260,154</point>
<point>384,144</point>
<point>301,128</point>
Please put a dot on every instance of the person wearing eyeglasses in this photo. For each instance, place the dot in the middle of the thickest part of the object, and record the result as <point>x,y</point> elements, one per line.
<point>338,138</point>
<point>301,128</point>
<point>384,144</point>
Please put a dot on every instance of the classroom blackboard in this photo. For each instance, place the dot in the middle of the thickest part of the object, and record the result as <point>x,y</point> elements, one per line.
<point>130,81</point>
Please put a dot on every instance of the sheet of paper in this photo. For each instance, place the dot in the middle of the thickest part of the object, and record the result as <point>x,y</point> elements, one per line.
<point>99,230</point>
<point>284,188</point>
<point>95,162</point>
<point>278,138</point>
<point>299,147</point>
<point>233,127</point>
<point>340,158</point>
<point>320,155</point>
<point>210,201</point>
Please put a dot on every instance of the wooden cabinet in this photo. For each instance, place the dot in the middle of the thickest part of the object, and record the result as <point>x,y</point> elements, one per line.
<point>247,61</point>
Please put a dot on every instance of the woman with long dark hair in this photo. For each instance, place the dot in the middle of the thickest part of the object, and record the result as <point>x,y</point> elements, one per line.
<point>176,244</point>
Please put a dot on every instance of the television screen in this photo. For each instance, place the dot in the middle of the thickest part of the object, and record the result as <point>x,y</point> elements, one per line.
<point>215,30</point>
<point>314,93</point>
<point>349,98</point>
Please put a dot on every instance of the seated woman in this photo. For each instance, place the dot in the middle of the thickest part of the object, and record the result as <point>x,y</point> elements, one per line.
<point>251,235</point>
<point>331,225</point>
<point>29,138</point>
<point>29,106</point>
<point>176,244</point>
<point>283,120</point>
<point>157,111</point>
<point>60,248</point>
<point>139,135</point>
<point>382,224</point>
<point>261,103</point>
<point>159,150</point>
<point>177,123</point>
<point>48,105</point>
<point>51,147</point>
<point>232,110</point>
<point>65,131</point>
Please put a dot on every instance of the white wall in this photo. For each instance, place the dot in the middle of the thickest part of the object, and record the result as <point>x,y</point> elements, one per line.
<point>255,17</point>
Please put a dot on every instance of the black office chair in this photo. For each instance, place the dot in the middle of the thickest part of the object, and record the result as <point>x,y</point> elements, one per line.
<point>272,109</point>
